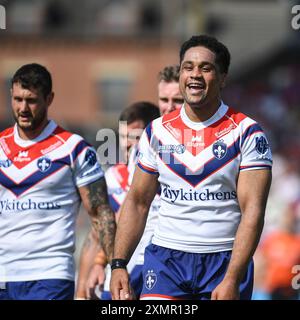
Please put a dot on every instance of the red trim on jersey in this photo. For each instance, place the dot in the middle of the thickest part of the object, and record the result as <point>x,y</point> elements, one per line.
<point>32,173</point>
<point>173,123</point>
<point>121,174</point>
<point>146,167</point>
<point>257,166</point>
<point>22,156</point>
<point>202,164</point>
<point>4,135</point>
<point>7,132</point>
<point>62,133</point>
<point>196,141</point>
<point>170,116</point>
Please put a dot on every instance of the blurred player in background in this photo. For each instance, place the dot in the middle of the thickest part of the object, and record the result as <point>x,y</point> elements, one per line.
<point>132,121</point>
<point>169,99</point>
<point>169,96</point>
<point>45,173</point>
<point>214,168</point>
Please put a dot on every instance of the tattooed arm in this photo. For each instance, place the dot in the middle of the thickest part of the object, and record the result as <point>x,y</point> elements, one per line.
<point>95,200</point>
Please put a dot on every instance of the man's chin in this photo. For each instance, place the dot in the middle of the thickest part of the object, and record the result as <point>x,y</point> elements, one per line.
<point>196,100</point>
<point>197,104</point>
<point>26,126</point>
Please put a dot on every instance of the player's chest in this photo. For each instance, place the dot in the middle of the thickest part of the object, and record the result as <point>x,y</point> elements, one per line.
<point>27,169</point>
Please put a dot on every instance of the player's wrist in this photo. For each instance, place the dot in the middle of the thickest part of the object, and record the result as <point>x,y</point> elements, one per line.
<point>233,277</point>
<point>101,258</point>
<point>118,264</point>
<point>100,261</point>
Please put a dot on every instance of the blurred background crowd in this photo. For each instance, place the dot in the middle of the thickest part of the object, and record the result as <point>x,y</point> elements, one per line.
<point>106,54</point>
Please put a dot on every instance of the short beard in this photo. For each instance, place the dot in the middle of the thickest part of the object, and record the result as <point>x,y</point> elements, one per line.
<point>35,122</point>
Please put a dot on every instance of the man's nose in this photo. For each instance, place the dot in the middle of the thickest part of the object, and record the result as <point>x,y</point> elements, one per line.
<point>23,106</point>
<point>196,73</point>
<point>171,106</point>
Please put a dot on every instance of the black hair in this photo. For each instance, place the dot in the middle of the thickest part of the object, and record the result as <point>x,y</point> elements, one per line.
<point>145,111</point>
<point>211,43</point>
<point>34,76</point>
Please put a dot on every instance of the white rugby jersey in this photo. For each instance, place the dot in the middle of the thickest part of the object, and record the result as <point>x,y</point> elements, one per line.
<point>39,202</point>
<point>198,165</point>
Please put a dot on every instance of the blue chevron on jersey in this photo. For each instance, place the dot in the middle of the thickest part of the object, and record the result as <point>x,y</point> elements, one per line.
<point>34,178</point>
<point>195,177</point>
<point>198,164</point>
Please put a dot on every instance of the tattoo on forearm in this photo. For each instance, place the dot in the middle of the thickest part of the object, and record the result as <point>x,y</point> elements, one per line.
<point>103,218</point>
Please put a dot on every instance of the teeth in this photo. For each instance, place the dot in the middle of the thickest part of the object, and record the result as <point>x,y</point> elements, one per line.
<point>196,86</point>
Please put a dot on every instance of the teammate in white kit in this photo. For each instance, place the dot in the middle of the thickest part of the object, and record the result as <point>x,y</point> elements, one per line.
<point>133,120</point>
<point>92,274</point>
<point>45,172</point>
<point>214,168</point>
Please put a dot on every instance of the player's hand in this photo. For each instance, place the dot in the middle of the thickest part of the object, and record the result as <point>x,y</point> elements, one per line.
<point>119,285</point>
<point>226,290</point>
<point>96,277</point>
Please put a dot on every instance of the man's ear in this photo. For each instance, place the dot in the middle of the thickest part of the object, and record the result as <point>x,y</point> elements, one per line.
<point>223,80</point>
<point>50,98</point>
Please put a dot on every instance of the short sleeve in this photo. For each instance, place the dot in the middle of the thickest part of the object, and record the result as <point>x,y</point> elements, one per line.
<point>86,167</point>
<point>146,158</point>
<point>255,149</point>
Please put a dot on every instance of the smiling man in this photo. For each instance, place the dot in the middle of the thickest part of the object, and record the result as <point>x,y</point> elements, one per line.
<point>48,172</point>
<point>213,164</point>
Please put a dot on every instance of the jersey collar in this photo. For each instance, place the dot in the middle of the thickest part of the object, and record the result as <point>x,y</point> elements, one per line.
<point>51,126</point>
<point>200,125</point>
